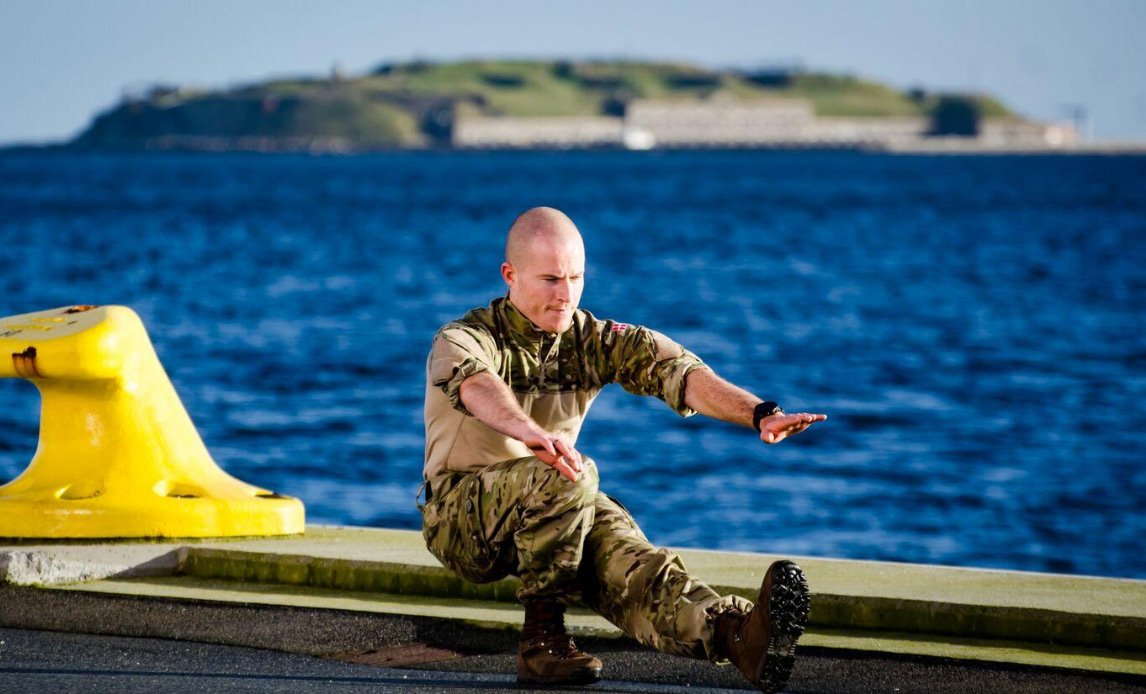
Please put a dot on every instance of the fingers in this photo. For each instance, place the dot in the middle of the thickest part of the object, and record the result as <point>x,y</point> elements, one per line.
<point>801,423</point>
<point>810,418</point>
<point>563,467</point>
<point>546,444</point>
<point>804,420</point>
<point>569,453</point>
<point>788,425</point>
<point>556,453</point>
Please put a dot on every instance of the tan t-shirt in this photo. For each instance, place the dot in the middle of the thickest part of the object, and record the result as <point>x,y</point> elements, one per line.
<point>554,378</point>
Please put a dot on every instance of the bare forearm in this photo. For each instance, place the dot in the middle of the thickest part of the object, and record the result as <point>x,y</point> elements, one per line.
<point>715,397</point>
<point>491,401</point>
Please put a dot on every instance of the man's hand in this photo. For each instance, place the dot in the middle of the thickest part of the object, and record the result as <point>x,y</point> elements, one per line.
<point>778,427</point>
<point>715,397</point>
<point>555,452</point>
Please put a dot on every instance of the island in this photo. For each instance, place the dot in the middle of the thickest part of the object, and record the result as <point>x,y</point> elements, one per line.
<point>560,104</point>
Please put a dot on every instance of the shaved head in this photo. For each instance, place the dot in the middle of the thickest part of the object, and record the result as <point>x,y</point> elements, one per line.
<point>538,224</point>
<point>545,267</point>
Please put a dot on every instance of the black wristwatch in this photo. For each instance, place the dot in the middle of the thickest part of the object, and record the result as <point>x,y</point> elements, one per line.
<point>764,409</point>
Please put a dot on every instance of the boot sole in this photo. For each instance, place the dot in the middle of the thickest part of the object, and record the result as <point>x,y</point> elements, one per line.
<point>788,605</point>
<point>585,675</point>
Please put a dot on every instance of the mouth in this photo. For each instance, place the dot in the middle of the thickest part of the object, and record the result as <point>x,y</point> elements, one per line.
<point>560,317</point>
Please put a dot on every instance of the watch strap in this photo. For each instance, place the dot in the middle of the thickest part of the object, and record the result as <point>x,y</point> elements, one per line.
<point>765,409</point>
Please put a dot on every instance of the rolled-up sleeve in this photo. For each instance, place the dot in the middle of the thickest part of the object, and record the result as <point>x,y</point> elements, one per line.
<point>459,352</point>
<point>646,362</point>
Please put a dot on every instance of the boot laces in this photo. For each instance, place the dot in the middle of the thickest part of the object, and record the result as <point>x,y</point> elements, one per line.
<point>561,645</point>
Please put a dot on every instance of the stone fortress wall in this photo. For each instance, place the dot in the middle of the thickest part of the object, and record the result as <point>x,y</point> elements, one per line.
<point>525,133</point>
<point>733,123</point>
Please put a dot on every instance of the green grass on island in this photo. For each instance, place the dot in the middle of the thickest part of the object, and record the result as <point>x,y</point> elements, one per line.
<point>414,104</point>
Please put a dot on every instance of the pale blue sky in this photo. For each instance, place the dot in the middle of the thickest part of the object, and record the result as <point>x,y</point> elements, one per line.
<point>61,61</point>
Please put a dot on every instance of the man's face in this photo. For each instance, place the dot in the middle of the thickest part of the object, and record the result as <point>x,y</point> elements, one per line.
<point>545,284</point>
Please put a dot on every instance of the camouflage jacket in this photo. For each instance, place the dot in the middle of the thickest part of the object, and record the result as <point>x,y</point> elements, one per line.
<point>554,378</point>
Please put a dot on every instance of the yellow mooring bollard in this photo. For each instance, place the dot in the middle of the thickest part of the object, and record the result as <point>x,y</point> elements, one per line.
<point>118,454</point>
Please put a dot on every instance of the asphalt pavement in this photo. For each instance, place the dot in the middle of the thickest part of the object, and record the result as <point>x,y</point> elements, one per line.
<point>63,641</point>
<point>38,661</point>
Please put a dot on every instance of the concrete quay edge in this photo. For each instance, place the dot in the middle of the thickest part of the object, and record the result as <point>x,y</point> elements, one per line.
<point>951,603</point>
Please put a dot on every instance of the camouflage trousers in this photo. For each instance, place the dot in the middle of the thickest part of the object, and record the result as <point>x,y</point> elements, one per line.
<point>569,542</point>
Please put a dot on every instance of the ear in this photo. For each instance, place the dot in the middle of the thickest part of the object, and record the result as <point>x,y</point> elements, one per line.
<point>509,274</point>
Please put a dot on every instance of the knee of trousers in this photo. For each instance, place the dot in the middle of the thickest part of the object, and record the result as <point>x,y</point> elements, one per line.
<point>556,490</point>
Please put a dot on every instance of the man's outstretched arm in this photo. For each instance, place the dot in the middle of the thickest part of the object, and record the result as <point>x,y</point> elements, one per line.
<point>715,397</point>
<point>491,401</point>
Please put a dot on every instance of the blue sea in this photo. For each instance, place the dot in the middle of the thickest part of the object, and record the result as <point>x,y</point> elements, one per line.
<point>975,328</point>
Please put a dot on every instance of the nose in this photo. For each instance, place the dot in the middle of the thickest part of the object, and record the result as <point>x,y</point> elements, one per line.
<point>564,291</point>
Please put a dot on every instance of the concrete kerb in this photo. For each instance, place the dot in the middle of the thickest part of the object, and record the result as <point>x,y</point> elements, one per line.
<point>1028,625</point>
<point>829,611</point>
<point>46,565</point>
<point>342,574</point>
<point>849,595</point>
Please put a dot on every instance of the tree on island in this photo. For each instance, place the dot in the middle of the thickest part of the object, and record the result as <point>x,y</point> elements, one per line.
<point>955,115</point>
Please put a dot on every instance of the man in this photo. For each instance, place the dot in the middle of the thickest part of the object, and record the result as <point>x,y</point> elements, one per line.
<point>508,493</point>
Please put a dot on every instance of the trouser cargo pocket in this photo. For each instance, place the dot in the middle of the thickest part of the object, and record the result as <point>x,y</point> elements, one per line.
<point>454,534</point>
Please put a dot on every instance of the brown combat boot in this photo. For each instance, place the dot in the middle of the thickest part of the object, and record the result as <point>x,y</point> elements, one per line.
<point>762,643</point>
<point>547,654</point>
